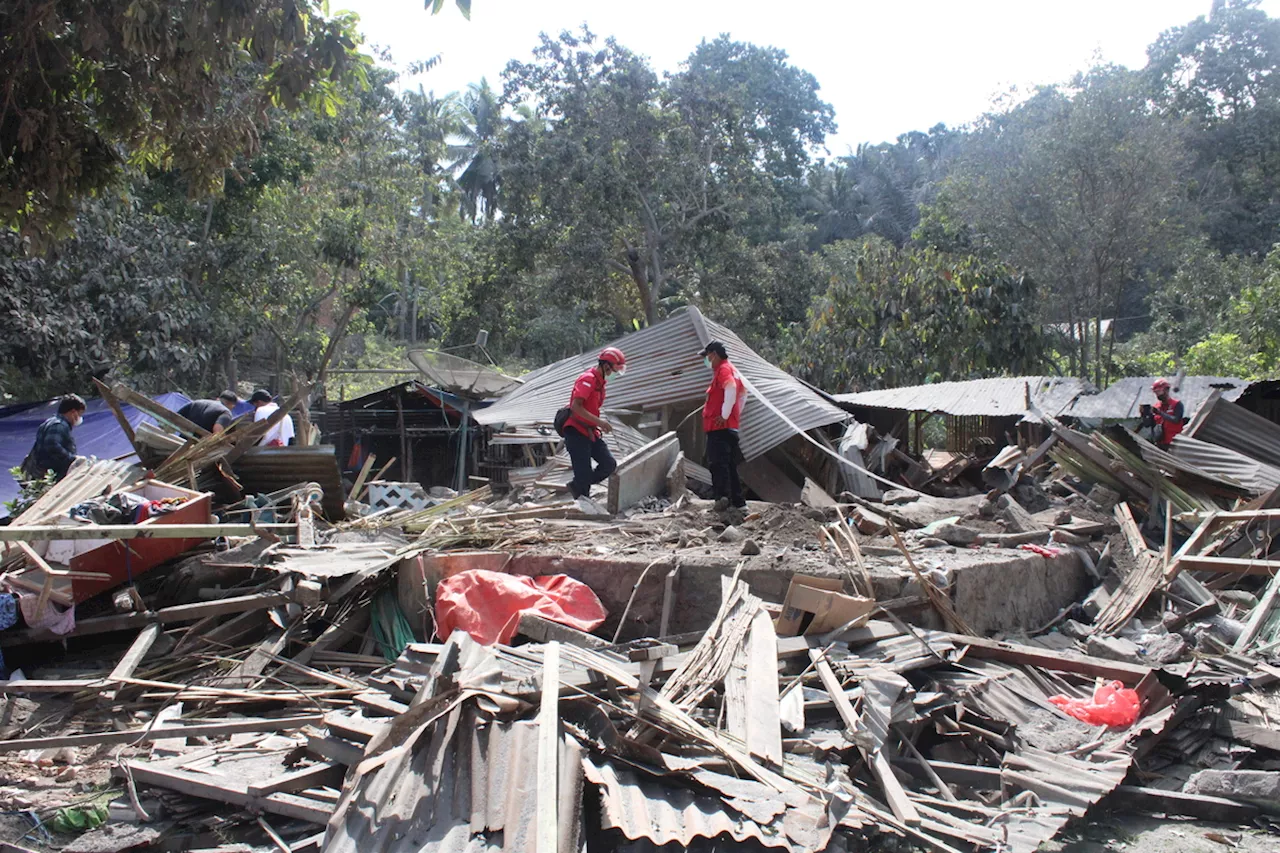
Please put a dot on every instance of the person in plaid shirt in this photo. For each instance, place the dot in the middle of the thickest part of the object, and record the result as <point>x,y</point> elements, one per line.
<point>54,448</point>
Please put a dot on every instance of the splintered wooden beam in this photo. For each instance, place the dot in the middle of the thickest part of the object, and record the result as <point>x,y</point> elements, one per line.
<point>157,411</point>
<point>114,405</point>
<point>226,789</point>
<point>132,658</point>
<point>547,837</point>
<point>145,734</point>
<point>44,533</point>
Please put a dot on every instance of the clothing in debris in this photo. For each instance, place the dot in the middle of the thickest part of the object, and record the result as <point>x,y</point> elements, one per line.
<point>1168,415</point>
<point>280,434</point>
<point>122,508</point>
<point>721,416</point>
<point>583,440</point>
<point>54,448</point>
<point>207,414</point>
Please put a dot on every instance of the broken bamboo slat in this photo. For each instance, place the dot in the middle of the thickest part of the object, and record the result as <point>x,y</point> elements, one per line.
<point>143,735</point>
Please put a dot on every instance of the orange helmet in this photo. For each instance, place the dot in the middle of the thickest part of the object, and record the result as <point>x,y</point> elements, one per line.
<point>1160,385</point>
<point>615,359</point>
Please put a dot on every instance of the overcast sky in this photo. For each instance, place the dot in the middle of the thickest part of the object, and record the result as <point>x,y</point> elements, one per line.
<point>887,66</point>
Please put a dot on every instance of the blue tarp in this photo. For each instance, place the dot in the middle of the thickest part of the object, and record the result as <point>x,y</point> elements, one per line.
<point>97,435</point>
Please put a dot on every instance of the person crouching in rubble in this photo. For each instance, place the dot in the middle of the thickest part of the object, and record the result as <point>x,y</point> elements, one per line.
<point>1167,415</point>
<point>582,430</point>
<point>280,434</point>
<point>54,449</point>
<point>720,417</point>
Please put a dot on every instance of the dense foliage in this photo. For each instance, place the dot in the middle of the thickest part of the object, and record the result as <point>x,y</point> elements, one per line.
<point>198,194</point>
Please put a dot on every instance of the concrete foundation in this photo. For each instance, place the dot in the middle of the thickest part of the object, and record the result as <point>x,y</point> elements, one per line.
<point>993,589</point>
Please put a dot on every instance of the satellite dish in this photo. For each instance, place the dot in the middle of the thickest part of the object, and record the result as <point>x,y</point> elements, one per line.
<point>461,376</point>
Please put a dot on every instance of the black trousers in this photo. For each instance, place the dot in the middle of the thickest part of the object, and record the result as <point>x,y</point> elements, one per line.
<point>582,451</point>
<point>723,456</point>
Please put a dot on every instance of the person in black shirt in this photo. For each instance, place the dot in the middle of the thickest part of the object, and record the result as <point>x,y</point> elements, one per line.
<point>54,449</point>
<point>213,415</point>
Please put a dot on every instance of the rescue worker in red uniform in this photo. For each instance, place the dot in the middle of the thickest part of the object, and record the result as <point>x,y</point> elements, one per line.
<point>721,416</point>
<point>584,427</point>
<point>1167,414</point>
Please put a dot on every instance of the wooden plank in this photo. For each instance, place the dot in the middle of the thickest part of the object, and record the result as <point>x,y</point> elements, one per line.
<point>643,473</point>
<point>1128,673</point>
<point>326,773</point>
<point>544,630</point>
<point>335,749</point>
<point>141,735</point>
<point>1249,733</point>
<point>59,685</point>
<point>1129,527</point>
<point>46,532</point>
<point>168,615</point>
<point>879,693</point>
<point>227,790</point>
<point>129,662</point>
<point>1229,565</point>
<point>356,489</point>
<point>1258,618</point>
<point>835,690</point>
<point>547,834</point>
<point>157,411</point>
<point>104,391</point>
<point>1178,804</point>
<point>763,719</point>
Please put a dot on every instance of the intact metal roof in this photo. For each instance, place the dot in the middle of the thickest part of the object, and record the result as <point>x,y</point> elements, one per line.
<point>1004,396</point>
<point>664,368</point>
<point>1257,477</point>
<point>1123,397</point>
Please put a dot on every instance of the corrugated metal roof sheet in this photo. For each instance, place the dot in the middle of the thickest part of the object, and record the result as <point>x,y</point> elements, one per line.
<point>663,368</point>
<point>654,809</point>
<point>268,469</point>
<point>1003,396</point>
<point>1123,397</point>
<point>1256,476</point>
<point>1227,425</point>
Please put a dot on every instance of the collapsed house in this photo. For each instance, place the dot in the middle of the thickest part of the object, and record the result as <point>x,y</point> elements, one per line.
<point>496,670</point>
<point>665,386</point>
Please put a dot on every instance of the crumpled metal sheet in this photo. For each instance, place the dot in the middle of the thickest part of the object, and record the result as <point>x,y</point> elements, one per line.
<point>664,368</point>
<point>1004,396</point>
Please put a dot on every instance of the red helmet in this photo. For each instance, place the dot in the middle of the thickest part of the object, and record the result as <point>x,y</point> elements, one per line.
<point>1160,385</point>
<point>615,359</point>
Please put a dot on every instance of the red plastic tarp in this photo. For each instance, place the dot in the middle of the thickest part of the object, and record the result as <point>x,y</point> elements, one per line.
<point>487,605</point>
<point>1112,704</point>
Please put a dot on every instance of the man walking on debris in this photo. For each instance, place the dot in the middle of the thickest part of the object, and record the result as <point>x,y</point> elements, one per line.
<point>582,431</point>
<point>1168,413</point>
<point>212,415</point>
<point>720,417</point>
<point>54,449</point>
<point>280,434</point>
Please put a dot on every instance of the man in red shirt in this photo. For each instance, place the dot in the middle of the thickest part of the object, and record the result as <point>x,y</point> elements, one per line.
<point>582,431</point>
<point>1168,413</point>
<point>720,418</point>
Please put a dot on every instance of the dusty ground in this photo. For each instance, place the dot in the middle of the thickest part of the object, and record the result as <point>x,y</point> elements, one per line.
<point>1138,834</point>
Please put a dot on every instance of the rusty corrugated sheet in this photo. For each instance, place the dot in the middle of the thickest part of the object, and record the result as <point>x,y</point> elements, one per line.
<point>1122,399</point>
<point>1257,477</point>
<point>1227,425</point>
<point>1004,396</point>
<point>468,785</point>
<point>664,368</point>
<point>650,808</point>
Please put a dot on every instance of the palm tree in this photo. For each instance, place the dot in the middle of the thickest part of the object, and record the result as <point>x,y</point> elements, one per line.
<point>475,152</point>
<point>429,124</point>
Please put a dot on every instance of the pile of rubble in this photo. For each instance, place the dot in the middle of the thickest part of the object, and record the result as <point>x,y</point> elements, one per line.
<point>805,677</point>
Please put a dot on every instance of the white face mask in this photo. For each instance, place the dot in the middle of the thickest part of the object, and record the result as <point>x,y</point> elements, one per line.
<point>706,359</point>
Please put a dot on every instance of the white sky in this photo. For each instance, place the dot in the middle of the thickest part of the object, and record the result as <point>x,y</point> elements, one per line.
<point>887,66</point>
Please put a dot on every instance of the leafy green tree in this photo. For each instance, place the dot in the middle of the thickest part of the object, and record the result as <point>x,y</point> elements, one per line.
<point>91,86</point>
<point>894,316</point>
<point>475,155</point>
<point>1221,75</point>
<point>621,175</point>
<point>1085,189</point>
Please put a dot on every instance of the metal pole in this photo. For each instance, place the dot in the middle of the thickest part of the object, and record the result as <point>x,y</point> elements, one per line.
<point>462,448</point>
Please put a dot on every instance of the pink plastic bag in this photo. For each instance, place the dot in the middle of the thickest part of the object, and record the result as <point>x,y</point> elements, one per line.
<point>487,605</point>
<point>1112,704</point>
